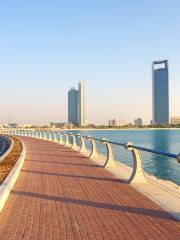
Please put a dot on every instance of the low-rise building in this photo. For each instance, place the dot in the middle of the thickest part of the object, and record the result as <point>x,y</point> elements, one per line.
<point>60,125</point>
<point>138,122</point>
<point>116,123</point>
<point>12,125</point>
<point>175,120</point>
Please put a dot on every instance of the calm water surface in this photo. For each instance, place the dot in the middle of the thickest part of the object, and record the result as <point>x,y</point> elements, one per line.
<point>164,140</point>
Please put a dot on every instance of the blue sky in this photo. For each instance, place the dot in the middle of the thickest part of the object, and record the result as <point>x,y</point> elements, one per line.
<point>48,46</point>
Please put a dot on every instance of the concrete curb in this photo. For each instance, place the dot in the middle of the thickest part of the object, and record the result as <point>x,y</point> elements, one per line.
<point>8,151</point>
<point>7,185</point>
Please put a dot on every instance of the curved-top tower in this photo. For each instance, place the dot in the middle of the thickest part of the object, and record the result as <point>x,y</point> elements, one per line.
<point>160,90</point>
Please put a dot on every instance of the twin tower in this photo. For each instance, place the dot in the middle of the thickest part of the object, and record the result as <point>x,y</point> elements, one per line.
<point>76,105</point>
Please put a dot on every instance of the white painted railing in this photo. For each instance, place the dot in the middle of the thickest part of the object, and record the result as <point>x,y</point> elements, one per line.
<point>137,176</point>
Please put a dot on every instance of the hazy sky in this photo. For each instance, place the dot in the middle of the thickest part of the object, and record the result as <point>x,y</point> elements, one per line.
<point>47,46</point>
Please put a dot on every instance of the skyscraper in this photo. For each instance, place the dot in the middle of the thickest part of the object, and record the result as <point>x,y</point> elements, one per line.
<point>82,113</point>
<point>73,106</point>
<point>160,90</point>
<point>76,105</point>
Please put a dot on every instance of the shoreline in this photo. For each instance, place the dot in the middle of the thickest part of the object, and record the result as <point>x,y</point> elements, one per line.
<point>119,129</point>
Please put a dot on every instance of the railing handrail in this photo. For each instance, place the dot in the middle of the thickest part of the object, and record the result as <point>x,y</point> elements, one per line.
<point>166,154</point>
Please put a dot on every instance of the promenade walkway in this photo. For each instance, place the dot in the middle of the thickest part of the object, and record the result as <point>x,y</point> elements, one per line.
<point>62,195</point>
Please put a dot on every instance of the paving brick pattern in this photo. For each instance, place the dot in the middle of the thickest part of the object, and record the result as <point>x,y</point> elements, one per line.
<point>63,195</point>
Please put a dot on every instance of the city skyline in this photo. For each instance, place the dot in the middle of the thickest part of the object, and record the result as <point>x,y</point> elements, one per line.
<point>46,47</point>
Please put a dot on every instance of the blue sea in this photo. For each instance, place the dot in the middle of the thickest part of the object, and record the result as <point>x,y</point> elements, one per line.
<point>164,140</point>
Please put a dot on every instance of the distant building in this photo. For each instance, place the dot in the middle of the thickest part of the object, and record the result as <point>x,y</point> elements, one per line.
<point>25,126</point>
<point>76,105</point>
<point>175,120</point>
<point>62,125</point>
<point>160,90</point>
<point>138,122</point>
<point>130,124</point>
<point>58,125</point>
<point>116,123</point>
<point>12,125</point>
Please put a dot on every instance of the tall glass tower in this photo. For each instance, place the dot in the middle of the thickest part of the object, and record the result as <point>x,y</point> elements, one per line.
<point>82,113</point>
<point>73,106</point>
<point>160,90</point>
<point>76,105</point>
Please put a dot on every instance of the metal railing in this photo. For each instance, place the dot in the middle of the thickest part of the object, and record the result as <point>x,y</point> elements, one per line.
<point>70,140</point>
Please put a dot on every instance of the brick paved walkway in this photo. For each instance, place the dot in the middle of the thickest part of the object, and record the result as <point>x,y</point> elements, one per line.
<point>62,195</point>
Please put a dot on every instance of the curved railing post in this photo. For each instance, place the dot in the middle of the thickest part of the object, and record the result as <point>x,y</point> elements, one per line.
<point>60,138</point>
<point>49,136</point>
<point>110,162</point>
<point>138,175</point>
<point>46,135</point>
<point>40,135</point>
<point>67,143</point>
<point>43,136</point>
<point>94,152</point>
<point>37,134</point>
<point>74,144</point>
<point>83,148</point>
<point>34,134</point>
<point>55,137</point>
<point>52,136</point>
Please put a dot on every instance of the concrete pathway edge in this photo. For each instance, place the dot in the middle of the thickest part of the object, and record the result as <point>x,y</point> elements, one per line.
<point>7,185</point>
<point>164,193</point>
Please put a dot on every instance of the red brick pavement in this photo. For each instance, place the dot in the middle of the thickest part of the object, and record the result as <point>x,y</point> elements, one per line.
<point>63,195</point>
